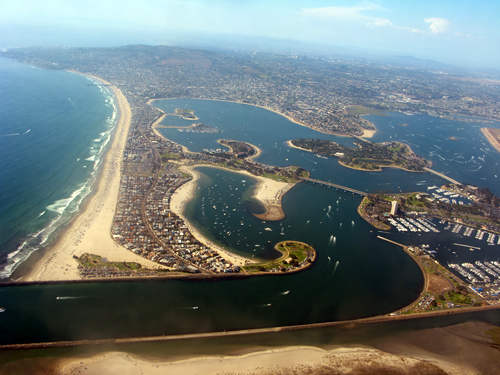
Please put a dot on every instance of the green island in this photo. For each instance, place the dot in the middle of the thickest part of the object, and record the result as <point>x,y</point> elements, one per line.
<point>240,149</point>
<point>295,256</point>
<point>240,159</point>
<point>367,155</point>
<point>188,114</point>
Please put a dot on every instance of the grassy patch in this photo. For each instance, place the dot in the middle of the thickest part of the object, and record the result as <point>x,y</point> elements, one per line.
<point>360,110</point>
<point>395,149</point>
<point>293,253</point>
<point>458,298</point>
<point>91,260</point>
<point>170,156</point>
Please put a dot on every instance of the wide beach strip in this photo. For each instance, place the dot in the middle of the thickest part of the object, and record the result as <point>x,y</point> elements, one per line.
<point>90,230</point>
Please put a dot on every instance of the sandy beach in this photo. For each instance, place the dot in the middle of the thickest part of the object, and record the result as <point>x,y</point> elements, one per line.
<point>290,144</point>
<point>368,133</point>
<point>268,192</point>
<point>90,230</point>
<point>493,136</point>
<point>460,349</point>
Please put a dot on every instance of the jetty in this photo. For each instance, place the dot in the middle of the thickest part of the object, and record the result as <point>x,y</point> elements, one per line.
<point>330,184</point>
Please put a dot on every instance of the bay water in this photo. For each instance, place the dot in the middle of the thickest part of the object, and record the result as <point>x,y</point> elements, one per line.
<point>356,275</point>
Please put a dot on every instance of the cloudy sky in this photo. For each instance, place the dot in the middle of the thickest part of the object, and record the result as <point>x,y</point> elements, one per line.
<point>452,31</point>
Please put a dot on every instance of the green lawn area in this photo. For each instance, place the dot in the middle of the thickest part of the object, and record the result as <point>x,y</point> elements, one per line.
<point>395,149</point>
<point>181,110</point>
<point>170,156</point>
<point>360,110</point>
<point>293,253</point>
<point>458,298</point>
<point>91,260</point>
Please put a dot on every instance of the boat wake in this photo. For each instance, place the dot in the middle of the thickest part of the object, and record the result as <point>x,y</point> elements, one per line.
<point>70,297</point>
<point>15,134</point>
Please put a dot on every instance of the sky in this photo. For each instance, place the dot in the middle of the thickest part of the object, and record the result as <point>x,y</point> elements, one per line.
<point>459,32</point>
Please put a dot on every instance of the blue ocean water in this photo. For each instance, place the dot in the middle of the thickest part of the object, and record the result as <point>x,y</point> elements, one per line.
<point>54,126</point>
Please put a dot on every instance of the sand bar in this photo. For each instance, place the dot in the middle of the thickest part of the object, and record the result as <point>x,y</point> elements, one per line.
<point>90,232</point>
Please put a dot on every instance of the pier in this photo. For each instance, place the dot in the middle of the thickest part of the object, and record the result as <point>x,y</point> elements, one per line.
<point>330,184</point>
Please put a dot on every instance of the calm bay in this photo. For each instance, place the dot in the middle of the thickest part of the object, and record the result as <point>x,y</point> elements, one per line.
<point>356,275</point>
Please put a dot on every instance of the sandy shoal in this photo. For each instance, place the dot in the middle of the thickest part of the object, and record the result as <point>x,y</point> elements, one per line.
<point>90,231</point>
<point>266,192</point>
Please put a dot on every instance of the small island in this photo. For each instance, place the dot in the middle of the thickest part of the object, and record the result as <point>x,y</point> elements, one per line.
<point>199,128</point>
<point>295,257</point>
<point>188,114</point>
<point>367,156</point>
<point>240,149</point>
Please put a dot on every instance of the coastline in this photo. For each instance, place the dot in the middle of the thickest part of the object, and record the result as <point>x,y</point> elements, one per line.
<point>266,193</point>
<point>89,231</point>
<point>366,133</point>
<point>487,132</point>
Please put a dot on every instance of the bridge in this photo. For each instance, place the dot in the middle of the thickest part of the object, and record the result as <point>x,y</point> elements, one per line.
<point>329,184</point>
<point>443,176</point>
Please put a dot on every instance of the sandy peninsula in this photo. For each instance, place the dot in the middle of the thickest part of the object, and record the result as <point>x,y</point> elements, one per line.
<point>493,136</point>
<point>90,232</point>
<point>268,192</point>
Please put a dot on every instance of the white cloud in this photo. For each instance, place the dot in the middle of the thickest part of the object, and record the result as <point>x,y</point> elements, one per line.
<point>345,13</point>
<point>384,23</point>
<point>438,25</point>
<point>388,23</point>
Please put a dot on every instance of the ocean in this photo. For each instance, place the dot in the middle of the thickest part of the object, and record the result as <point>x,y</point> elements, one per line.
<point>356,275</point>
<point>54,127</point>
